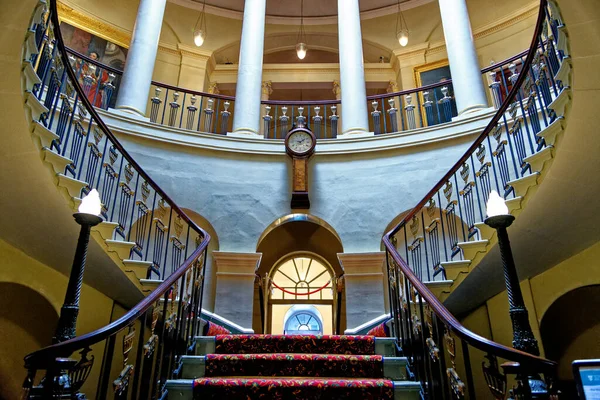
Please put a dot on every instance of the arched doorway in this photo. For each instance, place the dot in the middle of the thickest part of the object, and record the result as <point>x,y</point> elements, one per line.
<point>301,297</point>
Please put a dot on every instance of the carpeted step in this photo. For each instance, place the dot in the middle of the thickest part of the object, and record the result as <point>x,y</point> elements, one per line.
<point>325,344</point>
<point>296,389</point>
<point>294,365</point>
<point>288,388</point>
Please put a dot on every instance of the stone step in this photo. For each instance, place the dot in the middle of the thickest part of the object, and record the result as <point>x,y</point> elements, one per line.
<point>148,285</point>
<point>35,107</point>
<point>29,77</point>
<point>538,160</point>
<point>72,185</point>
<point>122,248</point>
<point>439,288</point>
<point>560,103</point>
<point>195,366</point>
<point>564,72</point>
<point>184,388</point>
<point>44,136</point>
<point>523,184</point>
<point>470,249</point>
<point>138,267</point>
<point>58,162</point>
<point>455,268</point>
<point>553,131</point>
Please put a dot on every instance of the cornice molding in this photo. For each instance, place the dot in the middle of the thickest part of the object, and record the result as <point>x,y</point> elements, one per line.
<point>94,25</point>
<point>284,20</point>
<point>356,264</point>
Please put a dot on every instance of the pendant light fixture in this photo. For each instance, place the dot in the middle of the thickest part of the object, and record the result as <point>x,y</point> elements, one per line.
<point>200,27</point>
<point>301,47</point>
<point>401,28</point>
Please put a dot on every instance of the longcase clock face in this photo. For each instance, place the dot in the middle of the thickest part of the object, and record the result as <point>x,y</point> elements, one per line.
<point>300,142</point>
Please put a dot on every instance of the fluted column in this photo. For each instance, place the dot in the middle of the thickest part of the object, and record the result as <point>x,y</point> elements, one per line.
<point>464,66</point>
<point>249,80</point>
<point>352,73</point>
<point>137,76</point>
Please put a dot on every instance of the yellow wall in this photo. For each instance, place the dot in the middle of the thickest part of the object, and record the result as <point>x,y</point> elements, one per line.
<point>15,341</point>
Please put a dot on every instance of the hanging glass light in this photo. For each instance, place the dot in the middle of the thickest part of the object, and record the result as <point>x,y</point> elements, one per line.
<point>401,28</point>
<point>301,47</point>
<point>200,27</point>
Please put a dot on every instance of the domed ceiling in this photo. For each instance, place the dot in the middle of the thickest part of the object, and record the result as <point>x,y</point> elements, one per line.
<point>319,9</point>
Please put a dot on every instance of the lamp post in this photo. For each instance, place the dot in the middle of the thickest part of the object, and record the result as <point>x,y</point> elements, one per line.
<point>88,216</point>
<point>500,219</point>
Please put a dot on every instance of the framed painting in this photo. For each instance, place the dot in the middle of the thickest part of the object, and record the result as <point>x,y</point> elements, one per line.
<point>429,74</point>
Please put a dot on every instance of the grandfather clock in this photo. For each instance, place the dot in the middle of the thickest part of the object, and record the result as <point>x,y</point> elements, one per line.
<point>300,144</point>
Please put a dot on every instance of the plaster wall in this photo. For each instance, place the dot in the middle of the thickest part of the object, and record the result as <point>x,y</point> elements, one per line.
<point>240,194</point>
<point>18,268</point>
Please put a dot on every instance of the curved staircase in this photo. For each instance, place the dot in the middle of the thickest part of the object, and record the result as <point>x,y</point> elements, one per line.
<point>163,253</point>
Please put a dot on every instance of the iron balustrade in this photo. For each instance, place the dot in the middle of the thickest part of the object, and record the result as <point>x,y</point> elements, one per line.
<point>213,113</point>
<point>440,350</point>
<point>168,246</point>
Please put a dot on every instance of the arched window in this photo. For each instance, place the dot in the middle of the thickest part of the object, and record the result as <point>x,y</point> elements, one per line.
<point>302,278</point>
<point>304,320</point>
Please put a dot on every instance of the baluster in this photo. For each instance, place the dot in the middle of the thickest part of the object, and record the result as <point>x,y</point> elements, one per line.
<point>208,114</point>
<point>300,119</point>
<point>446,105</point>
<point>495,89</point>
<point>156,102</point>
<point>410,113</point>
<point>428,105</point>
<point>267,118</point>
<point>376,115</point>
<point>283,121</point>
<point>108,91</point>
<point>174,109</point>
<point>225,114</point>
<point>334,121</point>
<point>317,119</point>
<point>191,114</point>
<point>393,113</point>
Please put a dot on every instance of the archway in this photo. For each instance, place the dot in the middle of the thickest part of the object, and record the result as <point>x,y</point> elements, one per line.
<point>308,240</point>
<point>299,283</point>
<point>25,326</point>
<point>570,329</point>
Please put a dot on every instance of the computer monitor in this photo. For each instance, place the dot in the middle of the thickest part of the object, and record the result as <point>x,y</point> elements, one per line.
<point>587,378</point>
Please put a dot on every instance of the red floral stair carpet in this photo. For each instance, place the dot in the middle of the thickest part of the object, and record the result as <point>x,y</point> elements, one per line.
<point>293,367</point>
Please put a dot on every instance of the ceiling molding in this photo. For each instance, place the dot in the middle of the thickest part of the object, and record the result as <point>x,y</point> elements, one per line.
<point>285,20</point>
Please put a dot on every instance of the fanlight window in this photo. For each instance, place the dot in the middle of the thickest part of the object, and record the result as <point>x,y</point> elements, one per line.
<point>303,321</point>
<point>302,278</point>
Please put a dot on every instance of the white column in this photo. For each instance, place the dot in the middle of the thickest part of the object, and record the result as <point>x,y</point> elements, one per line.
<point>464,66</point>
<point>352,72</point>
<point>137,76</point>
<point>246,119</point>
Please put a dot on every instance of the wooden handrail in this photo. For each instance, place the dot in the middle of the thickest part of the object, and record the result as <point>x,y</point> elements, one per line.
<point>38,359</point>
<point>528,361</point>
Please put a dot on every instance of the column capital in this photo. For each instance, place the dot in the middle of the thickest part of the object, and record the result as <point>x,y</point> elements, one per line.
<point>267,89</point>
<point>392,87</point>
<point>232,263</point>
<point>362,263</point>
<point>337,89</point>
<point>213,88</point>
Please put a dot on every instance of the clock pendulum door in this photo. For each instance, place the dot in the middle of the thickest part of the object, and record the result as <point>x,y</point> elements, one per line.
<point>300,183</point>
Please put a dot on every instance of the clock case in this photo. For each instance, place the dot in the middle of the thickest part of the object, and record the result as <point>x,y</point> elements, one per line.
<point>300,198</point>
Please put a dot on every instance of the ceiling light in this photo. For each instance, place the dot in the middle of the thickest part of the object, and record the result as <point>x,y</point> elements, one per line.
<point>200,27</point>
<point>301,47</point>
<point>401,28</point>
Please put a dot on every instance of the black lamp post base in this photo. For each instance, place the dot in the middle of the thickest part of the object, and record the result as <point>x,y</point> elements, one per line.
<point>499,221</point>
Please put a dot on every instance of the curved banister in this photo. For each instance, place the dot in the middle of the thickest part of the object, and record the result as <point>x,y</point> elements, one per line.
<point>41,358</point>
<point>529,362</point>
<point>66,348</point>
<point>493,122</point>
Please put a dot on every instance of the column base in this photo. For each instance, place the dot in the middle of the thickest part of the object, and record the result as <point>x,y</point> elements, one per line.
<point>129,113</point>
<point>245,133</point>
<point>473,111</point>
<point>355,133</point>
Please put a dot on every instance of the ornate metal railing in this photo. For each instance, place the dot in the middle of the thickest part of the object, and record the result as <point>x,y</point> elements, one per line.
<point>213,113</point>
<point>168,245</point>
<point>441,350</point>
